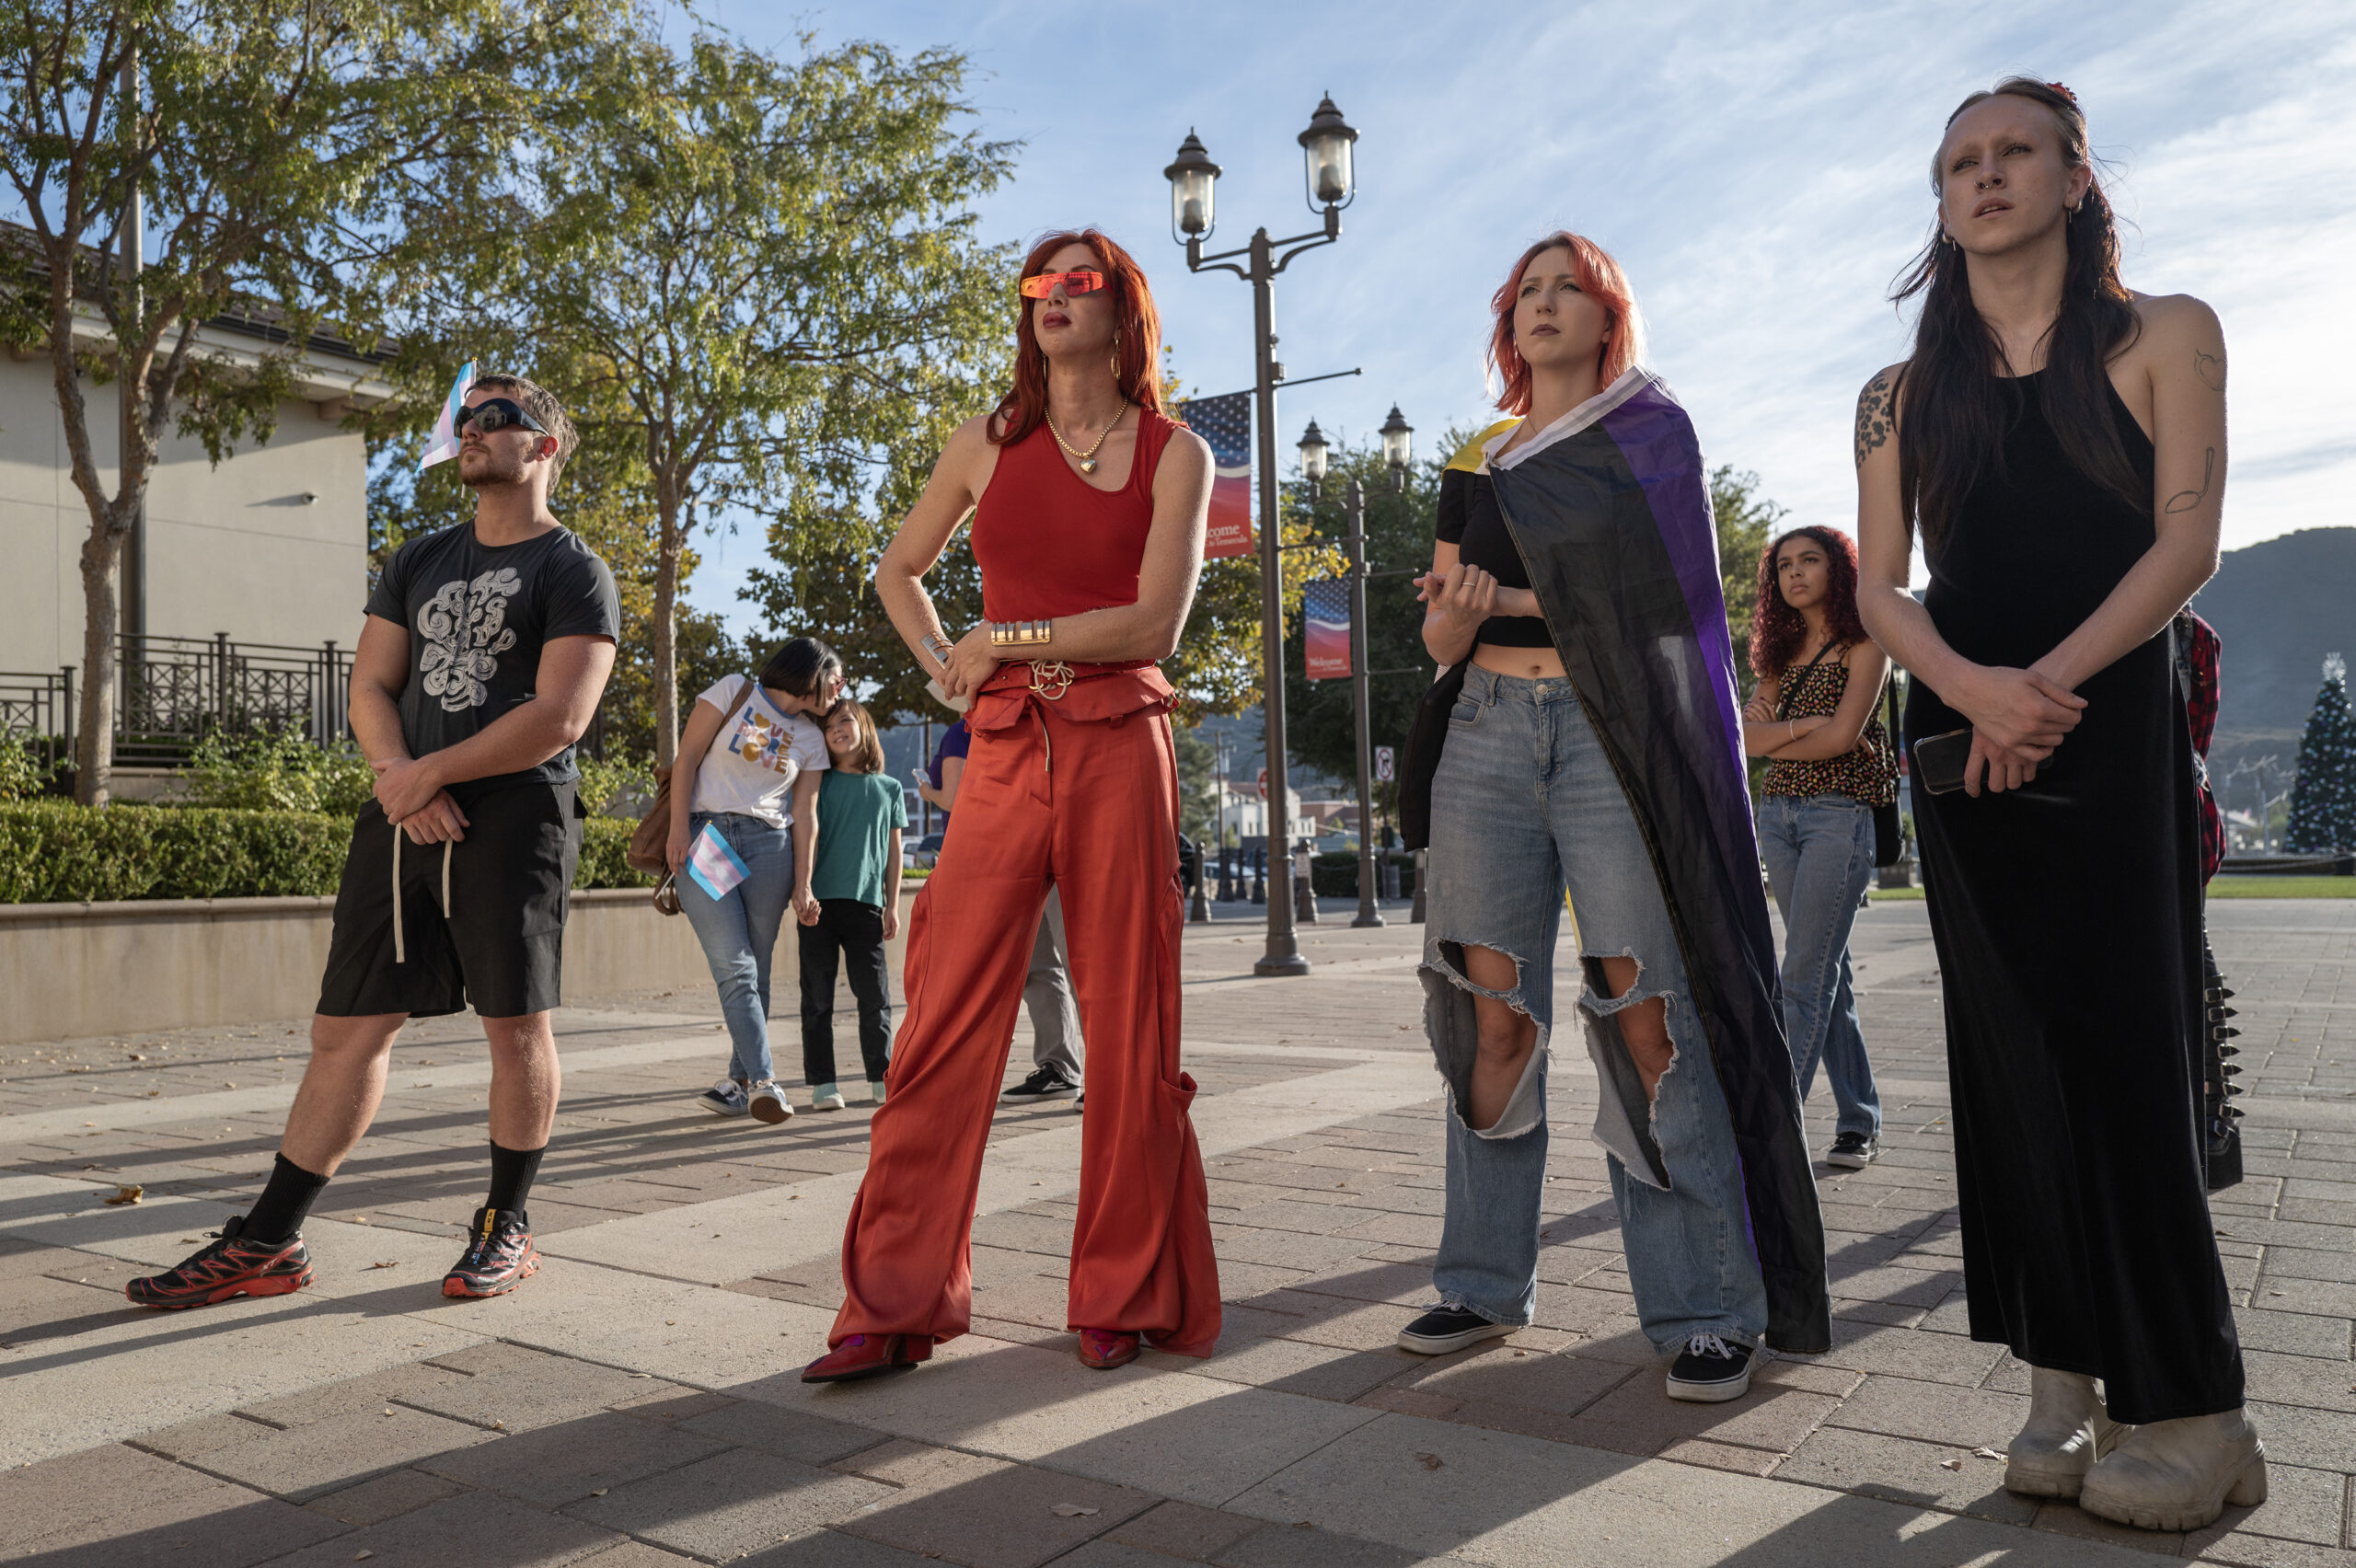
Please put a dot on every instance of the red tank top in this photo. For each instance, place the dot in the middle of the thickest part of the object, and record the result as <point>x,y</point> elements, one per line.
<point>1050,544</point>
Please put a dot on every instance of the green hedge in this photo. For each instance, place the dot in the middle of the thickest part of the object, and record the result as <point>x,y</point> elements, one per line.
<point>54,852</point>
<point>604,849</point>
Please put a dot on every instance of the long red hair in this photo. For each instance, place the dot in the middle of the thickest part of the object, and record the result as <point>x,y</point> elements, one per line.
<point>1139,344</point>
<point>1600,277</point>
<point>1777,630</point>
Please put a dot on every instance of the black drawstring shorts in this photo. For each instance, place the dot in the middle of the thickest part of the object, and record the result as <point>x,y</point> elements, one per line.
<point>427,930</point>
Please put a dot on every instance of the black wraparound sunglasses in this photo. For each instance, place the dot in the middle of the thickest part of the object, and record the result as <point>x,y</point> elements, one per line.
<point>495,413</point>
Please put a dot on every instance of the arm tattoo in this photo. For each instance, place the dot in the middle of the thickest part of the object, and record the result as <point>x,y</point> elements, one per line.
<point>2210,368</point>
<point>2185,500</point>
<point>1874,417</point>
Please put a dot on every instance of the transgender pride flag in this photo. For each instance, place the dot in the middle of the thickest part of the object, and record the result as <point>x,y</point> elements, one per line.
<point>713,863</point>
<point>1325,637</point>
<point>1225,422</point>
<point>442,443</point>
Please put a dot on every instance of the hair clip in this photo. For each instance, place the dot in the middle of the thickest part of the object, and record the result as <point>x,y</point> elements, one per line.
<point>2065,92</point>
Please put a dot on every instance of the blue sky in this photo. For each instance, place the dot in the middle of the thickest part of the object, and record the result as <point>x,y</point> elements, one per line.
<point>1760,170</point>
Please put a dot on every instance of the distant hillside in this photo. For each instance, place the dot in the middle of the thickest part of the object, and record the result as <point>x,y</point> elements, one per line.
<point>2280,606</point>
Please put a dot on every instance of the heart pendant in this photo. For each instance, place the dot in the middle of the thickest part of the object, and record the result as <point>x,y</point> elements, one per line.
<point>1088,465</point>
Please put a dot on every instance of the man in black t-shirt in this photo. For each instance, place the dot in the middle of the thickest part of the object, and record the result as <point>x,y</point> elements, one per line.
<point>485,649</point>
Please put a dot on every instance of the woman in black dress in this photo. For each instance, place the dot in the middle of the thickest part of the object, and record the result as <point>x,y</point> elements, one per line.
<point>2059,444</point>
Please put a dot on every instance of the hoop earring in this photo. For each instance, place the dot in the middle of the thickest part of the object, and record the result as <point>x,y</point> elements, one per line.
<point>1117,357</point>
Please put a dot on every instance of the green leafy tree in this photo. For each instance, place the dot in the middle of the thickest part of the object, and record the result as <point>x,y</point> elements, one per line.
<point>1746,521</point>
<point>2323,800</point>
<point>276,152</point>
<point>760,275</point>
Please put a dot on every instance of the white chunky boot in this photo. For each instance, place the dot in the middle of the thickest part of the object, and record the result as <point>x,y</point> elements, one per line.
<point>2178,1475</point>
<point>2068,1430</point>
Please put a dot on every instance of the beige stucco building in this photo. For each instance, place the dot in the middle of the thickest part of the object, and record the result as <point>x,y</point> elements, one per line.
<point>269,547</point>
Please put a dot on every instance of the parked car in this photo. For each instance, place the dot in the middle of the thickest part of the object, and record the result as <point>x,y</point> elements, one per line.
<point>920,855</point>
<point>1190,861</point>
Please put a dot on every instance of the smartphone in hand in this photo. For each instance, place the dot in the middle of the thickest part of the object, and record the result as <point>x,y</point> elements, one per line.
<point>1939,760</point>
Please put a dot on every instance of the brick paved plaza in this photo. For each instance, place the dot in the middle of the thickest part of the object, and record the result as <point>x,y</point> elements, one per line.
<point>637,1405</point>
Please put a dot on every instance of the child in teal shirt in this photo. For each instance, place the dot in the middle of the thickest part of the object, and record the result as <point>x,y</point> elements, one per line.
<point>856,879</point>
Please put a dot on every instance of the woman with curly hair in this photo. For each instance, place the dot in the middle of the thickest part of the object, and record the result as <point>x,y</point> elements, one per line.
<point>1817,719</point>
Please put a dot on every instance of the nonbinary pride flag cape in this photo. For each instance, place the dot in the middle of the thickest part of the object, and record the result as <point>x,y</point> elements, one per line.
<point>1611,511</point>
<point>441,444</point>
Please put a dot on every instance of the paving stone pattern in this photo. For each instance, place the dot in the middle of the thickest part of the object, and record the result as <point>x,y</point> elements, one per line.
<point>616,1411</point>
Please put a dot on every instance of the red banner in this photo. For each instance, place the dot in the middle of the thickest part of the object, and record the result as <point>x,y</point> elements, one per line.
<point>1226,423</point>
<point>1325,637</point>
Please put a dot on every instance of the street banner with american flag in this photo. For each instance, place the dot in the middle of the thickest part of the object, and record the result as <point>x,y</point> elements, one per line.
<point>1325,637</point>
<point>1226,422</point>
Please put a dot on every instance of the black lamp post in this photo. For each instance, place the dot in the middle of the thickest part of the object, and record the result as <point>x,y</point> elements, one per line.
<point>1327,155</point>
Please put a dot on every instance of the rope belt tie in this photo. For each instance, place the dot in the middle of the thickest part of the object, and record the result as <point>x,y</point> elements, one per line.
<point>1050,678</point>
<point>400,931</point>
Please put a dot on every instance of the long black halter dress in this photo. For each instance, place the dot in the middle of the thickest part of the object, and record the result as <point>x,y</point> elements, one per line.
<point>2067,918</point>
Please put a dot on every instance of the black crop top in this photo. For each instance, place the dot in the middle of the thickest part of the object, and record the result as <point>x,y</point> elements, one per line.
<point>1470,520</point>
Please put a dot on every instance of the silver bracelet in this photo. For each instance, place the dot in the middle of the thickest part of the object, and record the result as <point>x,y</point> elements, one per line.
<point>938,646</point>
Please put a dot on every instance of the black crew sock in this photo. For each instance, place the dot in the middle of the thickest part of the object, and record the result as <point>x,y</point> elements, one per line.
<point>512,1170</point>
<point>286,1202</point>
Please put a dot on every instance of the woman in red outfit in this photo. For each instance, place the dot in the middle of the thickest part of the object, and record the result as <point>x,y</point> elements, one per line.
<point>1088,506</point>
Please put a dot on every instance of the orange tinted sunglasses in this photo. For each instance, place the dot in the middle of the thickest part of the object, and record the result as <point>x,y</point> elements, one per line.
<point>1043,284</point>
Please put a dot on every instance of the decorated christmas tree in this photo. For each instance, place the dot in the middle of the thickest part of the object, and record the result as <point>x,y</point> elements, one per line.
<point>2323,802</point>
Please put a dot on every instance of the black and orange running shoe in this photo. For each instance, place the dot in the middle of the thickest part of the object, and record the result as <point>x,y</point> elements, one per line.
<point>499,1257</point>
<point>231,1266</point>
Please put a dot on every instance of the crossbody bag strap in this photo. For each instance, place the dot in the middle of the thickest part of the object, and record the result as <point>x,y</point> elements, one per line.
<point>1792,687</point>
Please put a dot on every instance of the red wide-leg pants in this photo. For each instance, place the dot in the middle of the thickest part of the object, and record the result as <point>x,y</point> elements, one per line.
<point>1090,807</point>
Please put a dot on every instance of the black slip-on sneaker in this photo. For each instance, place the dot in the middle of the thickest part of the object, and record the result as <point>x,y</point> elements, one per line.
<point>1047,1083</point>
<point>1447,1328</point>
<point>1854,1151</point>
<point>1709,1371</point>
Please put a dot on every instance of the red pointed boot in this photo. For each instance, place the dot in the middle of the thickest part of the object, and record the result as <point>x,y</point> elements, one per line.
<point>1104,1349</point>
<point>869,1356</point>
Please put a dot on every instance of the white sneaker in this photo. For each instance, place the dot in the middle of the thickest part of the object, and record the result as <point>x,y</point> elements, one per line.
<point>826,1096</point>
<point>875,1091</point>
<point>767,1102</point>
<point>2068,1430</point>
<point>726,1098</point>
<point>2178,1475</point>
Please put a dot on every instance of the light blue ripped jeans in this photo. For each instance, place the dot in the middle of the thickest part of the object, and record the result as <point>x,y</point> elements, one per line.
<point>1525,805</point>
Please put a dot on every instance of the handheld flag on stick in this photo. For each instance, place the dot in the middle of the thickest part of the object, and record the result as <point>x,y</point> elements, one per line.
<point>713,863</point>
<point>443,444</point>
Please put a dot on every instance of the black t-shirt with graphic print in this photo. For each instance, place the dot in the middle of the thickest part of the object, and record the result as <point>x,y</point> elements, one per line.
<point>477,617</point>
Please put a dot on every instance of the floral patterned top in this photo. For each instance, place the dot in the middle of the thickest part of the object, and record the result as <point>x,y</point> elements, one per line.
<point>1867,774</point>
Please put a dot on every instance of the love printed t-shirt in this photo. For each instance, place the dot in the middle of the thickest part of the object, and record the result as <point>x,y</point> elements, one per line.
<point>752,762</point>
<point>477,617</point>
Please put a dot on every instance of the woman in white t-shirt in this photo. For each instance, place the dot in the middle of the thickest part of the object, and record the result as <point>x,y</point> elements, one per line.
<point>745,821</point>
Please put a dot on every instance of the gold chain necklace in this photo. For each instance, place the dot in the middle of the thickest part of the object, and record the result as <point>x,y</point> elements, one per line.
<point>1087,460</point>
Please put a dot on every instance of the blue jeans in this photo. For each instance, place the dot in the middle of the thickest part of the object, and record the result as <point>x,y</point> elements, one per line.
<point>1526,805</point>
<point>1820,853</point>
<point>739,933</point>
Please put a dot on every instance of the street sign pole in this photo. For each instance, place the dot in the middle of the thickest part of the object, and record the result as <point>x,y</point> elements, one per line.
<point>1369,910</point>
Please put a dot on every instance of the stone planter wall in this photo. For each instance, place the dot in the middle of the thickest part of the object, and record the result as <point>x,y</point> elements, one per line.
<point>68,970</point>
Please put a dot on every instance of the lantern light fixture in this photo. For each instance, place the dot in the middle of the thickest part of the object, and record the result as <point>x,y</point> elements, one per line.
<point>1325,151</point>
<point>1193,181</point>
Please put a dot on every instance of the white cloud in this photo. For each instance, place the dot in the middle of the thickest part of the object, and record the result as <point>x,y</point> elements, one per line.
<point>1762,170</point>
